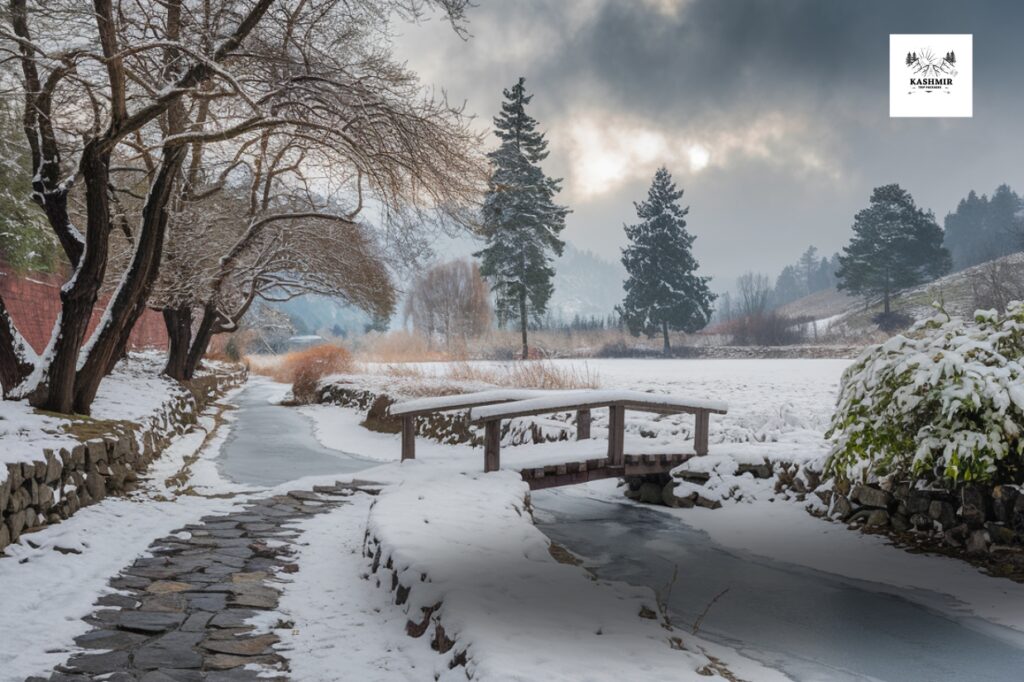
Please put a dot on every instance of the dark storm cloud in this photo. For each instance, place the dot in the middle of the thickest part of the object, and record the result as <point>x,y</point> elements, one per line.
<point>790,99</point>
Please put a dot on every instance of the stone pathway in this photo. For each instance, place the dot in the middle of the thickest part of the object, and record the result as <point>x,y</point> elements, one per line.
<point>180,614</point>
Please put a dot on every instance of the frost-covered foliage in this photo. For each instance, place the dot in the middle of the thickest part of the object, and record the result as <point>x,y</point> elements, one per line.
<point>944,403</point>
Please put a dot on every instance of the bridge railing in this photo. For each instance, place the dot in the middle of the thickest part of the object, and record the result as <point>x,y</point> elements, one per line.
<point>489,408</point>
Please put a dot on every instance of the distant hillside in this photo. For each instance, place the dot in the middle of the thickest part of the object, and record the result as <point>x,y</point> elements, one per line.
<point>844,316</point>
<point>314,314</point>
<point>586,285</point>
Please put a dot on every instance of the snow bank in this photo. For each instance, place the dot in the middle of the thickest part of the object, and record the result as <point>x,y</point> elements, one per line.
<point>136,392</point>
<point>472,572</point>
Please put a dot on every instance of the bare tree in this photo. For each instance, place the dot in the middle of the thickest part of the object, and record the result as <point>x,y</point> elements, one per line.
<point>755,291</point>
<point>450,301</point>
<point>995,283</point>
<point>155,100</point>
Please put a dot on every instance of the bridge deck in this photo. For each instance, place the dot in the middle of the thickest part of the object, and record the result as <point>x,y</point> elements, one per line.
<point>554,475</point>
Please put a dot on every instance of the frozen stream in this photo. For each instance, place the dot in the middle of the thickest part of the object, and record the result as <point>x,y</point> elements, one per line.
<point>270,444</point>
<point>809,624</point>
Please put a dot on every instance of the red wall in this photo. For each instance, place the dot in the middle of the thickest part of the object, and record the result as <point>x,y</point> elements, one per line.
<point>33,300</point>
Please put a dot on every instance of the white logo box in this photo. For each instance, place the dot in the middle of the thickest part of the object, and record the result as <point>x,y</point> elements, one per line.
<point>931,75</point>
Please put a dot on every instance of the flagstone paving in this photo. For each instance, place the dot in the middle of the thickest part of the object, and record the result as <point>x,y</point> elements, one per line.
<point>179,615</point>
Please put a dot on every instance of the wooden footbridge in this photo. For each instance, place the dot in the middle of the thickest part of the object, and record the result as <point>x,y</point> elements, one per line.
<point>490,408</point>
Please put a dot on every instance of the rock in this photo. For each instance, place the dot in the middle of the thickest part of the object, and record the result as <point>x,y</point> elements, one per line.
<point>255,601</point>
<point>841,507</point>
<point>698,477</point>
<point>878,518</point>
<point>167,675</point>
<point>1017,520</point>
<point>708,503</point>
<point>16,524</point>
<point>173,650</point>
<point>956,535</point>
<point>668,498</point>
<point>977,542</point>
<point>918,502</point>
<point>650,493</point>
<point>168,586</point>
<point>150,622</point>
<point>115,640</point>
<point>859,516</point>
<point>942,512</point>
<point>96,486</point>
<point>232,618</point>
<point>632,495</point>
<point>975,508</point>
<point>763,470</point>
<point>872,497</point>
<point>899,523</point>
<point>96,664</point>
<point>1000,534</point>
<point>1003,499</point>
<point>5,536</point>
<point>227,661</point>
<point>241,646</point>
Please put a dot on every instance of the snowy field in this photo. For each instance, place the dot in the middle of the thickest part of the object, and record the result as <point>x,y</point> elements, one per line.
<point>777,408</point>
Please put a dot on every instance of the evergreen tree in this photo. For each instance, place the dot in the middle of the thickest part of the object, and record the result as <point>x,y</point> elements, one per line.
<point>663,290</point>
<point>789,286</point>
<point>895,245</point>
<point>807,268</point>
<point>521,221</point>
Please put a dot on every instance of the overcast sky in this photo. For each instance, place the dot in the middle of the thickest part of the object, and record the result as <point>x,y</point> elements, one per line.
<point>772,116</point>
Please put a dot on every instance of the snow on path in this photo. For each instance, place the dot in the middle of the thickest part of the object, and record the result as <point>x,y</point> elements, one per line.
<point>50,592</point>
<point>343,622</point>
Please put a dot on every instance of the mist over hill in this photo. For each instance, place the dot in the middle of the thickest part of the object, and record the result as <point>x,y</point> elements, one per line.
<point>586,284</point>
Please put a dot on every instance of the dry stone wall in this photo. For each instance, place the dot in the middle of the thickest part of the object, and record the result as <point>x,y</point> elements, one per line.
<point>60,482</point>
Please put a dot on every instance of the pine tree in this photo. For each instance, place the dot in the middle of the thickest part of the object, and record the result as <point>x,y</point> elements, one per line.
<point>663,291</point>
<point>521,221</point>
<point>807,268</point>
<point>895,245</point>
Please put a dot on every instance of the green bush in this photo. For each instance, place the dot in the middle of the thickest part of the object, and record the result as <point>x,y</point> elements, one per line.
<point>945,403</point>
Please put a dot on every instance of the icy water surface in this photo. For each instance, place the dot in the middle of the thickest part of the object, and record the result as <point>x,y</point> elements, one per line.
<point>809,624</point>
<point>270,444</point>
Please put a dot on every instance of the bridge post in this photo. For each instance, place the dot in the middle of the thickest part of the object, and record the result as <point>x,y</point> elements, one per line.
<point>408,437</point>
<point>582,424</point>
<point>700,433</point>
<point>616,435</point>
<point>492,445</point>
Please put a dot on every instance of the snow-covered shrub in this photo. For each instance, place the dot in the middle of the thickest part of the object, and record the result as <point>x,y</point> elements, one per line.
<point>944,403</point>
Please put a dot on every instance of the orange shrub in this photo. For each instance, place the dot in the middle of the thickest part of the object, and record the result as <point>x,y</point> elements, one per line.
<point>305,368</point>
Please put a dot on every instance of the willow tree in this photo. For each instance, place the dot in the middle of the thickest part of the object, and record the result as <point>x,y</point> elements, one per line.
<point>144,91</point>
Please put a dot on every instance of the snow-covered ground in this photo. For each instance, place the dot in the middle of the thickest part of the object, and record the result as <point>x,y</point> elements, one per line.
<point>777,408</point>
<point>519,614</point>
<point>48,591</point>
<point>136,391</point>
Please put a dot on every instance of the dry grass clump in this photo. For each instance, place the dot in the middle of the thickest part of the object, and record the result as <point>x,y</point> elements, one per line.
<point>541,374</point>
<point>544,374</point>
<point>399,346</point>
<point>303,369</point>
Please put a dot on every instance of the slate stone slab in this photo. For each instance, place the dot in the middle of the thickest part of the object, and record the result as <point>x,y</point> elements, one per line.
<point>149,621</point>
<point>173,650</point>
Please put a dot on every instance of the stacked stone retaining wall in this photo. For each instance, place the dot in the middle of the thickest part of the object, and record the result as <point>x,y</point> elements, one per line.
<point>55,485</point>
